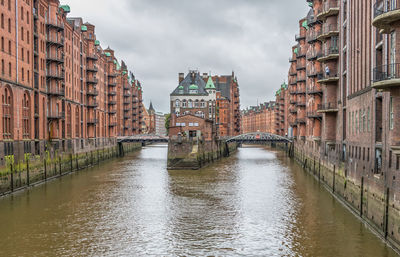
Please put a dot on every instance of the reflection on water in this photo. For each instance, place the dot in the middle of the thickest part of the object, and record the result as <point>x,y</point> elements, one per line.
<point>255,203</point>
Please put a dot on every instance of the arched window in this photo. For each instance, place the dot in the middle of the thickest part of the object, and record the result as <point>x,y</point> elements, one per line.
<point>77,122</point>
<point>69,121</point>
<point>202,104</point>
<point>2,21</point>
<point>26,114</point>
<point>184,103</point>
<point>190,104</point>
<point>196,103</point>
<point>2,44</point>
<point>7,113</point>
<point>177,104</point>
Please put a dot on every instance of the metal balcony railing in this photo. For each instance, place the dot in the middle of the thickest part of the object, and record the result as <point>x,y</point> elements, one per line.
<point>386,72</point>
<point>328,28</point>
<point>330,4</point>
<point>55,74</point>
<point>56,91</point>
<point>327,106</point>
<point>55,57</point>
<point>55,115</point>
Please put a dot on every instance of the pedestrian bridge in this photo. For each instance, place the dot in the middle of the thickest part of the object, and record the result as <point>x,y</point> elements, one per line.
<point>259,138</point>
<point>144,139</point>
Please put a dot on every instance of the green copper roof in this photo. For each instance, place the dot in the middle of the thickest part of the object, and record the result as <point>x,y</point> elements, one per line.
<point>124,72</point>
<point>181,87</point>
<point>194,87</point>
<point>284,85</point>
<point>83,28</point>
<point>296,50</point>
<point>305,24</point>
<point>108,55</point>
<point>97,42</point>
<point>66,8</point>
<point>310,4</point>
<point>210,83</point>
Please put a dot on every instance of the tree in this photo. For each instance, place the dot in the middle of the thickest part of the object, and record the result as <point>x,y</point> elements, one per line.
<point>167,121</point>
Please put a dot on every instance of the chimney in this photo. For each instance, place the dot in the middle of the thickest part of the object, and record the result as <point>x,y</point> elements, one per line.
<point>181,77</point>
<point>205,76</point>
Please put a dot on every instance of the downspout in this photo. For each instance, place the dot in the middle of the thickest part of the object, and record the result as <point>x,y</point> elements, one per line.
<point>16,39</point>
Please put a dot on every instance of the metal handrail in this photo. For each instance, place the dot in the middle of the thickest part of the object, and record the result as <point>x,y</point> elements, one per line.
<point>386,72</point>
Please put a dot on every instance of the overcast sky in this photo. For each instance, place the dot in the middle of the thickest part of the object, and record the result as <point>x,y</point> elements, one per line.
<point>160,38</point>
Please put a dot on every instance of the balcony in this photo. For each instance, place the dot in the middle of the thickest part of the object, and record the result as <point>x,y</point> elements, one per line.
<point>312,36</point>
<point>112,102</point>
<point>301,67</point>
<point>299,37</point>
<point>55,115</point>
<point>301,79</point>
<point>292,73</point>
<point>328,30</point>
<point>328,108</point>
<point>54,74</point>
<point>92,105</point>
<point>292,91</point>
<point>328,78</point>
<point>93,69</point>
<point>112,75</point>
<point>92,121</point>
<point>300,54</point>
<point>57,92</point>
<point>300,120</point>
<point>291,59</point>
<point>386,76</point>
<point>112,93</point>
<point>300,104</point>
<point>386,14</point>
<point>92,57</point>
<point>293,110</point>
<point>331,53</point>
<point>293,82</point>
<point>314,91</point>
<point>314,115</point>
<point>55,40</point>
<point>92,80</point>
<point>57,58</point>
<point>126,117</point>
<point>313,55</point>
<point>112,124</point>
<point>112,112</point>
<point>313,73</point>
<point>292,102</point>
<point>55,25</point>
<point>112,84</point>
<point>300,92</point>
<point>330,8</point>
<point>127,95</point>
<point>92,92</point>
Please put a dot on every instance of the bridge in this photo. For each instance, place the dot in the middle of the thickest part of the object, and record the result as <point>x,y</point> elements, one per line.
<point>259,138</point>
<point>144,139</point>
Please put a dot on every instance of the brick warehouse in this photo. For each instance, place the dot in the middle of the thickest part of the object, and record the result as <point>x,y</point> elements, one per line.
<point>60,90</point>
<point>344,104</point>
<point>261,118</point>
<point>211,98</point>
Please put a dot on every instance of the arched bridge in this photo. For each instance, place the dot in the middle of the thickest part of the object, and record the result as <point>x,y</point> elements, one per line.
<point>259,138</point>
<point>144,139</point>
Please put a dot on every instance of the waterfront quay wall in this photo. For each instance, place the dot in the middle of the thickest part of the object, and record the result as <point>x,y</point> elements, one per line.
<point>195,154</point>
<point>33,170</point>
<point>364,193</point>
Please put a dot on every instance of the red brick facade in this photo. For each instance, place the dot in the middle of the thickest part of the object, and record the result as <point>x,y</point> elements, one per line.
<point>262,118</point>
<point>60,89</point>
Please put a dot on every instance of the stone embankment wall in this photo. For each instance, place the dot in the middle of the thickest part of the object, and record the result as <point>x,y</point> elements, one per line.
<point>193,154</point>
<point>372,201</point>
<point>34,170</point>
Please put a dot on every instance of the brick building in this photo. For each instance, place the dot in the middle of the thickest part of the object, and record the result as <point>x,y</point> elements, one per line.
<point>60,89</point>
<point>344,100</point>
<point>262,118</point>
<point>214,99</point>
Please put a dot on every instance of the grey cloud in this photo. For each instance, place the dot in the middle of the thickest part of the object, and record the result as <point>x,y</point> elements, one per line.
<point>160,38</point>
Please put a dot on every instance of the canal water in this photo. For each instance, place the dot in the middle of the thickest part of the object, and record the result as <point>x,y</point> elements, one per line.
<point>254,203</point>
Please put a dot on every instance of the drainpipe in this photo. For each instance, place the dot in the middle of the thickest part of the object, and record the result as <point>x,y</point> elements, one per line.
<point>16,38</point>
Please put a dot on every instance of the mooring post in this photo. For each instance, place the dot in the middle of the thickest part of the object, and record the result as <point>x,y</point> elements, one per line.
<point>59,164</point>
<point>362,197</point>
<point>71,161</point>
<point>12,177</point>
<point>45,169</point>
<point>334,175</point>
<point>27,172</point>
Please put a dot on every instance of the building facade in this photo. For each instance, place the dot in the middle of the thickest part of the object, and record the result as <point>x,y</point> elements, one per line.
<point>212,98</point>
<point>344,103</point>
<point>262,118</point>
<point>60,89</point>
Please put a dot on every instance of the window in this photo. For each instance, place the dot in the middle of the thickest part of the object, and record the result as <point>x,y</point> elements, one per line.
<point>22,33</point>
<point>9,69</point>
<point>69,121</point>
<point>2,44</point>
<point>2,21</point>
<point>363,121</point>
<point>184,103</point>
<point>9,25</point>
<point>2,67</point>
<point>22,13</point>
<point>190,104</point>
<point>26,116</point>
<point>177,104</point>
<point>391,114</point>
<point>7,113</point>
<point>9,47</point>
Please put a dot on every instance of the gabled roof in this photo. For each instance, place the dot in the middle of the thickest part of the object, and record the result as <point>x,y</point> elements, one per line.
<point>210,83</point>
<point>192,78</point>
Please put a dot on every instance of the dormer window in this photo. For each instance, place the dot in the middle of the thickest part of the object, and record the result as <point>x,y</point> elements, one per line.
<point>180,91</point>
<point>192,91</point>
